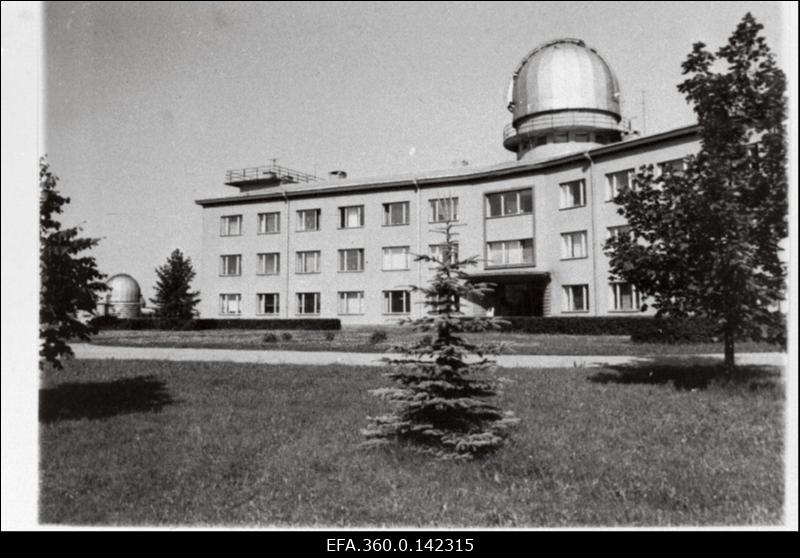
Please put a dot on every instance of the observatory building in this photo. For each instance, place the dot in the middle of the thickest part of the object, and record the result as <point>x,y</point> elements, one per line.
<point>289,244</point>
<point>123,299</point>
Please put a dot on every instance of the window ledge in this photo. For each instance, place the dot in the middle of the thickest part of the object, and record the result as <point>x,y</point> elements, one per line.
<point>403,269</point>
<point>350,271</point>
<point>509,266</point>
<point>571,207</point>
<point>575,258</point>
<point>575,312</point>
<point>395,225</point>
<point>266,233</point>
<point>491,217</point>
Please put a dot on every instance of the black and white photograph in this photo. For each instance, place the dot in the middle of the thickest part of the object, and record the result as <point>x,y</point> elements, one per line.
<point>425,272</point>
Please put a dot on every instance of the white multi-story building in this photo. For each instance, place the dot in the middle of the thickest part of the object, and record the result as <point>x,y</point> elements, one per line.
<point>290,245</point>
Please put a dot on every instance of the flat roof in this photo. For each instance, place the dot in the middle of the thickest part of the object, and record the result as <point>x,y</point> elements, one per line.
<point>439,177</point>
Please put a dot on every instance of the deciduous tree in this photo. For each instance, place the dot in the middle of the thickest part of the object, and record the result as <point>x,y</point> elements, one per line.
<point>705,240</point>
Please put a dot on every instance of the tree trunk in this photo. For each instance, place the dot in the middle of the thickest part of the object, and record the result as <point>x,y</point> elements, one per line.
<point>729,358</point>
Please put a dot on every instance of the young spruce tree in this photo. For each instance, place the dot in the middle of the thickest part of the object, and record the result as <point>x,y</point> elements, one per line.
<point>174,298</point>
<point>441,400</point>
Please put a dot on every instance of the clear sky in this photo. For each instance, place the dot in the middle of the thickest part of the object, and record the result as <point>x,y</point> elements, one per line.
<point>147,104</point>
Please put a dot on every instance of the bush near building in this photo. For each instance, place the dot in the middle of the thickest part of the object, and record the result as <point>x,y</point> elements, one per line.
<point>111,322</point>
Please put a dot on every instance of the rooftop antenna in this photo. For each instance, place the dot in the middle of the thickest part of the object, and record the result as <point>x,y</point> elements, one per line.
<point>644,113</point>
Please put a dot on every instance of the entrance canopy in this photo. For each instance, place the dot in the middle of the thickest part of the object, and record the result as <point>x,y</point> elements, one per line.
<point>516,293</point>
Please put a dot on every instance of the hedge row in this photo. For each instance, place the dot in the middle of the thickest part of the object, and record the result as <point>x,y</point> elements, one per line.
<point>111,322</point>
<point>640,328</point>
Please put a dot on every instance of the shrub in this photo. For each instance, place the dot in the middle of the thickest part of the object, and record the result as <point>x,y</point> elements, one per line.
<point>377,337</point>
<point>112,322</point>
<point>286,336</point>
<point>330,336</point>
<point>269,338</point>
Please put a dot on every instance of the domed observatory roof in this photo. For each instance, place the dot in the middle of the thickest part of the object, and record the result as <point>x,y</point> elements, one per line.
<point>564,98</point>
<point>123,288</point>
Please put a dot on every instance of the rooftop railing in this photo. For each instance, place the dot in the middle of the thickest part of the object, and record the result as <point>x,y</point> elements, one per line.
<point>267,173</point>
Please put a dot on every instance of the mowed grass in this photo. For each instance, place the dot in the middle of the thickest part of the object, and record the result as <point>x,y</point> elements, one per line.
<point>357,339</point>
<point>149,442</point>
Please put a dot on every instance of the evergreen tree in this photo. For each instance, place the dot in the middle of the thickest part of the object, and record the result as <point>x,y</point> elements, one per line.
<point>443,381</point>
<point>70,283</point>
<point>174,298</point>
<point>704,242</point>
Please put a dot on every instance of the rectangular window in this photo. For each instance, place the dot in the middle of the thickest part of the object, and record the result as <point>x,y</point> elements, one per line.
<point>308,220</point>
<point>624,296</point>
<point>438,250</point>
<point>230,225</point>
<point>443,209</point>
<point>517,202</point>
<point>230,304</point>
<point>269,264</point>
<point>614,232</point>
<point>395,213</point>
<point>573,245</point>
<point>268,303</point>
<point>576,298</point>
<point>395,257</point>
<point>616,182</point>
<point>673,166</point>
<point>269,223</point>
<point>351,302</point>
<point>561,138</point>
<point>230,265</point>
<point>396,302</point>
<point>351,217</point>
<point>573,194</point>
<point>308,303</point>
<point>582,137</point>
<point>308,262</point>
<point>510,252</point>
<point>351,259</point>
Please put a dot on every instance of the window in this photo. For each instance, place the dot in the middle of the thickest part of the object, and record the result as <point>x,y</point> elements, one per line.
<point>268,303</point>
<point>230,225</point>
<point>395,257</point>
<point>230,265</point>
<point>573,245</point>
<point>673,166</point>
<point>443,209</point>
<point>614,232</point>
<point>437,251</point>
<point>573,194</point>
<point>509,203</point>
<point>624,296</point>
<point>351,259</point>
<point>269,223</point>
<point>269,264</point>
<point>351,217</point>
<point>308,262</point>
<point>308,220</point>
<point>582,137</point>
<point>616,182</point>
<point>576,298</point>
<point>396,302</point>
<point>308,303</point>
<point>351,302</point>
<point>230,304</point>
<point>561,138</point>
<point>510,252</point>
<point>540,140</point>
<point>395,213</point>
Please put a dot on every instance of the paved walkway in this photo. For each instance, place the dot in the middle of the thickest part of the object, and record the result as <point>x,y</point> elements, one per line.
<point>88,351</point>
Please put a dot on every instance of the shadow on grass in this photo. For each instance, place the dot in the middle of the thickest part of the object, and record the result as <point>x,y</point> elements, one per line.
<point>699,374</point>
<point>98,400</point>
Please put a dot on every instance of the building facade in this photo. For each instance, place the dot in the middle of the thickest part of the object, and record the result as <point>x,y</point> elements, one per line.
<point>288,245</point>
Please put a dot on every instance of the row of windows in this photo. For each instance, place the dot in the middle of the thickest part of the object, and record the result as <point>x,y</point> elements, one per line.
<point>623,296</point>
<point>573,193</point>
<point>350,217</point>
<point>574,245</point>
<point>395,258</point>
<point>349,303</point>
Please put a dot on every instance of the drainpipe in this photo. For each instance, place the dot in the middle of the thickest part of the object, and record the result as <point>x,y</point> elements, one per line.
<point>419,237</point>
<point>288,254</point>
<point>593,224</point>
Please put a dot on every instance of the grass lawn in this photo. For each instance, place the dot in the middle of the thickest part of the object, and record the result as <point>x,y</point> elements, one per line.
<point>357,339</point>
<point>153,442</point>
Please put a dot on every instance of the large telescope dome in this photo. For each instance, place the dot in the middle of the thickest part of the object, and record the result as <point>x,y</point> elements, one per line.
<point>564,97</point>
<point>123,299</point>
